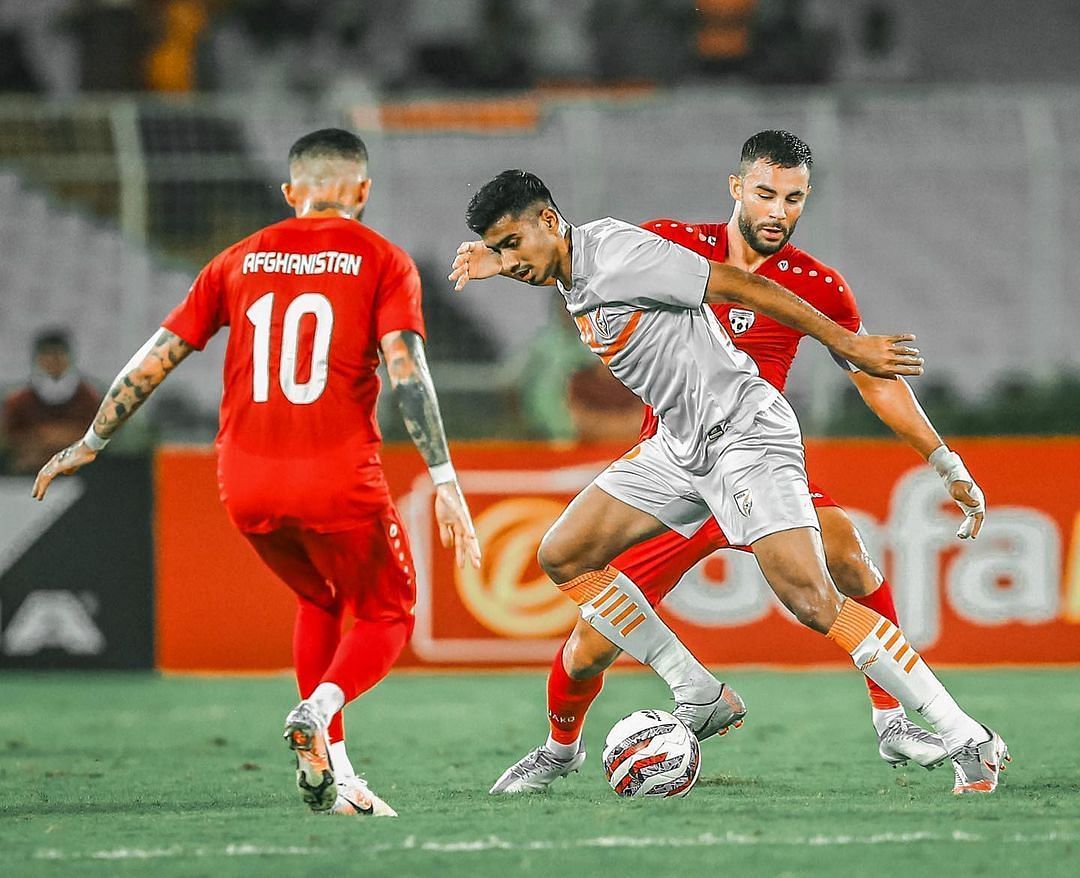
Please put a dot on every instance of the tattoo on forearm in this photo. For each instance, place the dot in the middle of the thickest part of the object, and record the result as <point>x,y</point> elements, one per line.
<point>407,367</point>
<point>133,388</point>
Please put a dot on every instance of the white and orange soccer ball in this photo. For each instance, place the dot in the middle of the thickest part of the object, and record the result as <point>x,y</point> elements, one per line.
<point>651,753</point>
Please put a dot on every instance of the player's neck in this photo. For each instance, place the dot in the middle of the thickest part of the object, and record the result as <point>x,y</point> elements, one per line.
<point>739,252</point>
<point>566,261</point>
<point>325,210</point>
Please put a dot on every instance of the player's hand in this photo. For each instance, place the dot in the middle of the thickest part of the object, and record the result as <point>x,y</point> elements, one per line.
<point>455,524</point>
<point>474,261</point>
<point>63,463</point>
<point>962,488</point>
<point>883,356</point>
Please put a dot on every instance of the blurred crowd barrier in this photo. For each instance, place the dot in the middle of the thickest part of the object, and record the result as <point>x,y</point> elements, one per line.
<point>945,209</point>
<point>133,563</point>
<point>75,593</point>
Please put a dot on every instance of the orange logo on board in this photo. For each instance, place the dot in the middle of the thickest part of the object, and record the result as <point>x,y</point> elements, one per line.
<point>510,594</point>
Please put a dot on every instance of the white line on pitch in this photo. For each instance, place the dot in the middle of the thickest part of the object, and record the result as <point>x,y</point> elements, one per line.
<point>492,843</point>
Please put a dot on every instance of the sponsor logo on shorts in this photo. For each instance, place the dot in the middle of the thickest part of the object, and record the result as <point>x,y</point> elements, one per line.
<point>740,320</point>
<point>744,501</point>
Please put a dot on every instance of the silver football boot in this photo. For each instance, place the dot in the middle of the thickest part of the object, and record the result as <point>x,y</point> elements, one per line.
<point>715,716</point>
<point>902,741</point>
<point>536,771</point>
<point>978,766</point>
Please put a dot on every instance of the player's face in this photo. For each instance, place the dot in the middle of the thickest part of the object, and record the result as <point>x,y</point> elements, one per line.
<point>770,202</point>
<point>528,245</point>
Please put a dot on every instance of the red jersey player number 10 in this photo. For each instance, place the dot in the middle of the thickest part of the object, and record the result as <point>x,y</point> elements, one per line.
<point>296,392</point>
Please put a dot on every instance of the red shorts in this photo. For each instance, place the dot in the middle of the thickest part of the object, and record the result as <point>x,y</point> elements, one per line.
<point>657,565</point>
<point>367,570</point>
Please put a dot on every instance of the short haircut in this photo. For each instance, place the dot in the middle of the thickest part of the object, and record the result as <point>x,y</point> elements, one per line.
<point>509,194</point>
<point>52,338</point>
<point>329,143</point>
<point>780,148</point>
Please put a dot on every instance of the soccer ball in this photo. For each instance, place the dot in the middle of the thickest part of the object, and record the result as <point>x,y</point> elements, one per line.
<point>651,753</point>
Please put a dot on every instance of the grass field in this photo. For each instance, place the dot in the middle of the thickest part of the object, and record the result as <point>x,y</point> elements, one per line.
<point>138,775</point>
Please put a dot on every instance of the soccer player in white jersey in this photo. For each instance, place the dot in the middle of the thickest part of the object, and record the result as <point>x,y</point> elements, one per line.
<point>728,445</point>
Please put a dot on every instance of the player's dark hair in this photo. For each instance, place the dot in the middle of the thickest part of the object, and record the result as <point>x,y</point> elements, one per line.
<point>52,338</point>
<point>329,143</point>
<point>509,194</point>
<point>780,148</point>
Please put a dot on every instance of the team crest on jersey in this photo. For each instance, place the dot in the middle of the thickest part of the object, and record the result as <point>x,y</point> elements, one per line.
<point>744,501</point>
<point>740,320</point>
<point>782,265</point>
<point>601,321</point>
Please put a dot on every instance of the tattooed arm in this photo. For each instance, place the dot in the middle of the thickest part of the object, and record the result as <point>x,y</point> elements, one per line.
<point>161,354</point>
<point>406,365</point>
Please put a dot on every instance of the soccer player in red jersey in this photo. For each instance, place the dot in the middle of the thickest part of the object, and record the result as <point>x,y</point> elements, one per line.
<point>310,303</point>
<point>770,192</point>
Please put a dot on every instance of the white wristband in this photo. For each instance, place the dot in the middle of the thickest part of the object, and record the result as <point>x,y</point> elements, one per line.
<point>93,441</point>
<point>949,465</point>
<point>442,473</point>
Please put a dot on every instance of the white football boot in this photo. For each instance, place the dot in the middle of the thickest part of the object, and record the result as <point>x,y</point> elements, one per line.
<point>714,714</point>
<point>978,766</point>
<point>305,733</point>
<point>536,771</point>
<point>354,796</point>
<point>902,741</point>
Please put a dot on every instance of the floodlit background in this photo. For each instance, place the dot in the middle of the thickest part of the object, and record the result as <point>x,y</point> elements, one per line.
<point>138,138</point>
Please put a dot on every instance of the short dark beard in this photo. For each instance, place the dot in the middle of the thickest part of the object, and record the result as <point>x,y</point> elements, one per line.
<point>758,246</point>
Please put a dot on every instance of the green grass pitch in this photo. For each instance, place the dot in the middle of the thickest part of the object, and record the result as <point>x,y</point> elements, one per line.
<point>142,775</point>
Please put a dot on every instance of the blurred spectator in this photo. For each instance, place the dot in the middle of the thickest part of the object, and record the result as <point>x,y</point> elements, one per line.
<point>723,34</point>
<point>52,411</point>
<point>555,354</point>
<point>601,408</point>
<point>171,63</point>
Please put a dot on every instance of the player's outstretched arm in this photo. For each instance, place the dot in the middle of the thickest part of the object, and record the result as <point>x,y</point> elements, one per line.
<point>406,365</point>
<point>895,404</point>
<point>886,356</point>
<point>152,363</point>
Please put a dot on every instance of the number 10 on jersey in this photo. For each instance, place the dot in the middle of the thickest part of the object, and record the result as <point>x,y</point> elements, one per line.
<point>298,393</point>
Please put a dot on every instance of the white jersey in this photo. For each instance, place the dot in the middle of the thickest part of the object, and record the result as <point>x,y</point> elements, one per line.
<point>638,301</point>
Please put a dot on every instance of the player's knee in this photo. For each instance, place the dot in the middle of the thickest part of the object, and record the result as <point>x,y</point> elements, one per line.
<point>853,574</point>
<point>815,605</point>
<point>558,557</point>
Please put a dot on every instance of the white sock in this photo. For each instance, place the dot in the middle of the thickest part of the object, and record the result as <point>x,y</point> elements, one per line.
<point>882,718</point>
<point>615,607</point>
<point>328,700</point>
<point>339,760</point>
<point>880,651</point>
<point>563,751</point>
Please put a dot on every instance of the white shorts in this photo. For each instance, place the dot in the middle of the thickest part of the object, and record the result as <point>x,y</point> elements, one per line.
<point>757,487</point>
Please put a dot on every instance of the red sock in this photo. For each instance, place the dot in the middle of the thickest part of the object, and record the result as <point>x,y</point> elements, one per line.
<point>881,602</point>
<point>316,635</point>
<point>569,700</point>
<point>366,654</point>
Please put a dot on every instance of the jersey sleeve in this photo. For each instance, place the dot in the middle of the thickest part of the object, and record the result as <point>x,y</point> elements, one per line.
<point>397,298</point>
<point>204,311</point>
<point>839,305</point>
<point>644,270</point>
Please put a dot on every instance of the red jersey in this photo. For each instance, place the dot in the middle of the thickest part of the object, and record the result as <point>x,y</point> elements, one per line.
<point>307,301</point>
<point>770,344</point>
